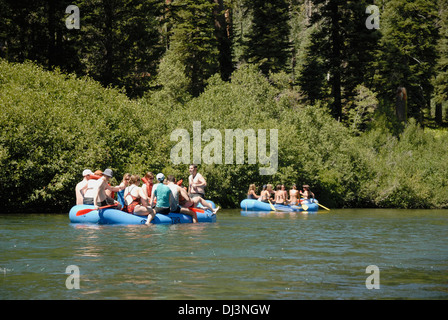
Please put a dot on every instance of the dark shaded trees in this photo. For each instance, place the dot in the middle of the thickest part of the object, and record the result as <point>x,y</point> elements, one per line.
<point>441,79</point>
<point>341,51</point>
<point>193,41</point>
<point>268,39</point>
<point>407,55</point>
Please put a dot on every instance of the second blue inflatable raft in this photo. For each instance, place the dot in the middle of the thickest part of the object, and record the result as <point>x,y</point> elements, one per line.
<point>255,205</point>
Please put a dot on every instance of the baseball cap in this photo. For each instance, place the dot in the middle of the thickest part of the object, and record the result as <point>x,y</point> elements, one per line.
<point>160,177</point>
<point>87,172</point>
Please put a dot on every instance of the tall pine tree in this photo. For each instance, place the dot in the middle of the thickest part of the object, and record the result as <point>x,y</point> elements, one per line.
<point>307,67</point>
<point>119,42</point>
<point>407,53</point>
<point>441,79</point>
<point>223,31</point>
<point>340,51</point>
<point>193,40</point>
<point>35,30</point>
<point>328,42</point>
<point>268,39</point>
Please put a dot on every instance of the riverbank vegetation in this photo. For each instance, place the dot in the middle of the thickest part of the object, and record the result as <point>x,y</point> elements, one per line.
<point>111,93</point>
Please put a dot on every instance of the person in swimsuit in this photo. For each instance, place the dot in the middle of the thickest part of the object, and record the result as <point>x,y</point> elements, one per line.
<point>279,195</point>
<point>135,200</point>
<point>307,194</point>
<point>293,195</point>
<point>251,193</point>
<point>264,195</point>
<point>285,193</point>
<point>271,192</point>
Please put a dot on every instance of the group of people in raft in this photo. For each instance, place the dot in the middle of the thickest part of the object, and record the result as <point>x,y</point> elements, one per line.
<point>280,195</point>
<point>164,197</point>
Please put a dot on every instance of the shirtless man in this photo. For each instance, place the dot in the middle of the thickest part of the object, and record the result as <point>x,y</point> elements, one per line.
<point>196,182</point>
<point>80,187</point>
<point>99,195</point>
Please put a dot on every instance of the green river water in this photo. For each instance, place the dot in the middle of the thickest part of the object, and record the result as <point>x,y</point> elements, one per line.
<point>241,256</point>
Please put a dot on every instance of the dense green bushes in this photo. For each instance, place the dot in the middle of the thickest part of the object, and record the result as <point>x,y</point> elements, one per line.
<point>408,172</point>
<point>55,125</point>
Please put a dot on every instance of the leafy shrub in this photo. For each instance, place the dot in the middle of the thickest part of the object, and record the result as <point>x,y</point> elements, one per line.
<point>54,125</point>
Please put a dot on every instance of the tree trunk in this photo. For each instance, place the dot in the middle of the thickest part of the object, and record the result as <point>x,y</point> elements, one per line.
<point>438,115</point>
<point>401,106</point>
<point>223,35</point>
<point>51,34</point>
<point>108,74</point>
<point>335,61</point>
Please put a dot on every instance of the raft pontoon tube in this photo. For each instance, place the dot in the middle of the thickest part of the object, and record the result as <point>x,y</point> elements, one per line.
<point>114,216</point>
<point>255,205</point>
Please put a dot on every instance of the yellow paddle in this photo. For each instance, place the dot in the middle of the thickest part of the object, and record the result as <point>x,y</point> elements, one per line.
<point>323,206</point>
<point>272,207</point>
<point>304,206</point>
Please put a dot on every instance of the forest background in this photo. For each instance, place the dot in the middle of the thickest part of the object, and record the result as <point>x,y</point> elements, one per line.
<point>361,111</point>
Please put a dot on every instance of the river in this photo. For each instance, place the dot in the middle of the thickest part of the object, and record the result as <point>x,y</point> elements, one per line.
<point>241,256</point>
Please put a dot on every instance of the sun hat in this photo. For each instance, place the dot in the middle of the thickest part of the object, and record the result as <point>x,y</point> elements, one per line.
<point>87,172</point>
<point>108,173</point>
<point>160,177</point>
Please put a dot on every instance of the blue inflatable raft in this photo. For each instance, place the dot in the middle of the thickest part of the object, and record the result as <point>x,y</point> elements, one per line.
<point>114,216</point>
<point>255,205</point>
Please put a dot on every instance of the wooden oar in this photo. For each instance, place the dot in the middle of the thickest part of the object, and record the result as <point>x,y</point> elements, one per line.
<point>85,211</point>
